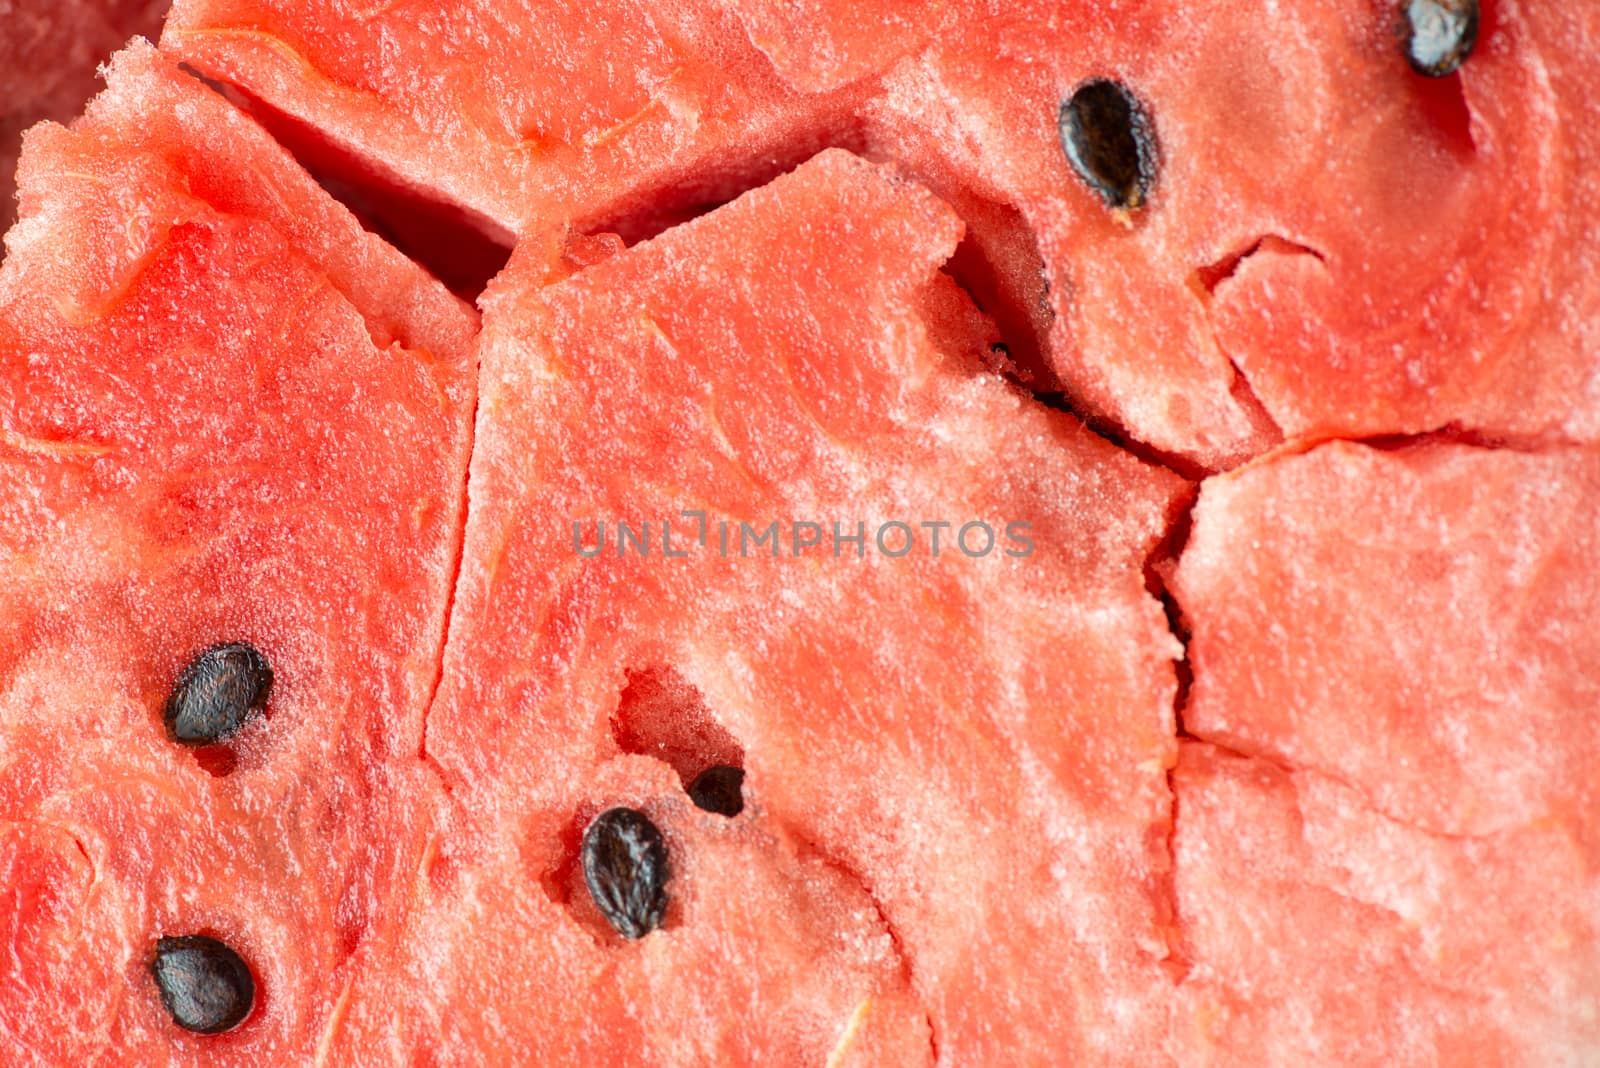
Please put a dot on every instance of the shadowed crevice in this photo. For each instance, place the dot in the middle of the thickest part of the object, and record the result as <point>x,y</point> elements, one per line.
<point>1181,466</point>
<point>1455,434</point>
<point>1158,567</point>
<point>810,850</point>
<point>1212,275</point>
<point>1208,278</point>
<point>447,621</point>
<point>456,246</point>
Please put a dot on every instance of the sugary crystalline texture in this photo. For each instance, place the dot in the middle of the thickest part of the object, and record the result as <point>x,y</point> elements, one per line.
<point>821,45</point>
<point>1334,244</point>
<point>522,112</point>
<point>1390,854</point>
<point>1456,683</point>
<point>1324,932</point>
<point>955,792</point>
<point>226,414</point>
<point>740,378</point>
<point>48,53</point>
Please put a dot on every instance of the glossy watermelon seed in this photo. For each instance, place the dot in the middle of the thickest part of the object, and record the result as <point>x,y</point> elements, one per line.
<point>1439,34</point>
<point>719,789</point>
<point>1110,142</point>
<point>205,986</point>
<point>625,868</point>
<point>219,691</point>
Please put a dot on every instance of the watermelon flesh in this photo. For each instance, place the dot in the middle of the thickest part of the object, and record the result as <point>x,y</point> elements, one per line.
<point>1477,543</point>
<point>696,362</point>
<point>983,819</point>
<point>507,148</point>
<point>228,414</point>
<point>1252,288</point>
<point>1382,832</point>
<point>1323,931</point>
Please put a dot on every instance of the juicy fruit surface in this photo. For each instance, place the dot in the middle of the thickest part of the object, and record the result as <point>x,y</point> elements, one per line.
<point>1338,245</point>
<point>1496,550</point>
<point>990,810</point>
<point>1394,826</point>
<point>684,375</point>
<point>466,115</point>
<point>210,428</point>
<point>1324,931</point>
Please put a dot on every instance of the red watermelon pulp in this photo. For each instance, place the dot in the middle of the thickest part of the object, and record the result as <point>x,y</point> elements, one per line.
<point>954,534</point>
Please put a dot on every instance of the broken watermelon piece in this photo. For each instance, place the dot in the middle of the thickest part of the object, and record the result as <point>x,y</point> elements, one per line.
<point>1323,931</point>
<point>985,879</point>
<point>1385,847</point>
<point>227,415</point>
<point>669,737</point>
<point>496,107</point>
<point>1332,243</point>
<point>1455,684</point>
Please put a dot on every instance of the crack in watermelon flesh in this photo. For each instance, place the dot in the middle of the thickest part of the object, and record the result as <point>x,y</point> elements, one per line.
<point>1288,767</point>
<point>273,453</point>
<point>1311,126</point>
<point>693,362</point>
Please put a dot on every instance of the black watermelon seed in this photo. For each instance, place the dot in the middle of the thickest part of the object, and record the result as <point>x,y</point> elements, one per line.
<point>220,691</point>
<point>1110,142</point>
<point>204,984</point>
<point>625,865</point>
<point>719,789</point>
<point>1439,34</point>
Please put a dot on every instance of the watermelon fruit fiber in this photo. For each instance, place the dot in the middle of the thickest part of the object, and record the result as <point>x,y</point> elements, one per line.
<point>885,533</point>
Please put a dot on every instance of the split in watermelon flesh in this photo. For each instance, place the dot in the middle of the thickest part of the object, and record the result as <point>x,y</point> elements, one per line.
<point>975,828</point>
<point>699,365</point>
<point>228,414</point>
<point>1391,784</point>
<point>1278,285</point>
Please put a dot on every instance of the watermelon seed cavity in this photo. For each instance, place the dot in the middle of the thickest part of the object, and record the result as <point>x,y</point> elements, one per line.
<point>1110,142</point>
<point>663,715</point>
<point>220,691</point>
<point>1440,34</point>
<point>625,867</point>
<point>204,984</point>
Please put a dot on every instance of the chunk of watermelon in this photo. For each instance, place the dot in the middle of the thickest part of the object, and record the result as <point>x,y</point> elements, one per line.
<point>980,817</point>
<point>496,107</point>
<point>1389,854</point>
<point>826,375</point>
<point>1324,932</point>
<point>1455,685</point>
<point>226,413</point>
<point>1335,246</point>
